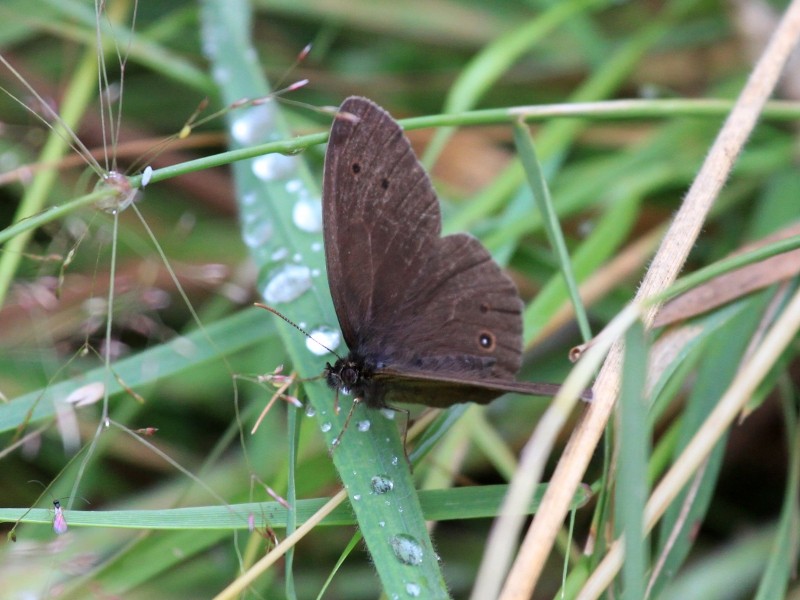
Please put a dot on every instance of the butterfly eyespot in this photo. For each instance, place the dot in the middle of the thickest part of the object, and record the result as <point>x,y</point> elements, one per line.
<point>485,307</point>
<point>486,340</point>
<point>356,168</point>
<point>385,183</point>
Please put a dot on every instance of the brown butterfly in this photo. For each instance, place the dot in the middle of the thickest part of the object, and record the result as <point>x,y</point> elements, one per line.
<point>428,319</point>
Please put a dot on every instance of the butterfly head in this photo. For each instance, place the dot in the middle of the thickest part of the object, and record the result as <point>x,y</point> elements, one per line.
<point>350,375</point>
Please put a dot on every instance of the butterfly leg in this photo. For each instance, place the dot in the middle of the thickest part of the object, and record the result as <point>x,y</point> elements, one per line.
<point>356,402</point>
<point>407,414</point>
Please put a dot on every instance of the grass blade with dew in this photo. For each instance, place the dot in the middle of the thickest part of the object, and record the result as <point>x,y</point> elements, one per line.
<point>269,189</point>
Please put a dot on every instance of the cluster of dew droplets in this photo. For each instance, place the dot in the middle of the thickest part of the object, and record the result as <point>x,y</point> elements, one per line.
<point>288,280</point>
<point>292,279</point>
<point>285,276</point>
<point>255,122</point>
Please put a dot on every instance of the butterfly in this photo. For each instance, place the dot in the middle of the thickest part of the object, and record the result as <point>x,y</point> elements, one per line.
<point>427,319</point>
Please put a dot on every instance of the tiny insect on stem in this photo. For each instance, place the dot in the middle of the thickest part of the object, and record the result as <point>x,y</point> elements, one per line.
<point>59,521</point>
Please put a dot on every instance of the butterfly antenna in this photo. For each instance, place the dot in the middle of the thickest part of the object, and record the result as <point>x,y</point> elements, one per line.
<point>295,325</point>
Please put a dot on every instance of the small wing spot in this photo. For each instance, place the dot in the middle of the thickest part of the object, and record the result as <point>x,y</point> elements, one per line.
<point>356,168</point>
<point>385,183</point>
<point>486,340</point>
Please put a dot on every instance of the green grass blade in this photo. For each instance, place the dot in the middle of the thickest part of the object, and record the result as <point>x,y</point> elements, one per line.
<point>634,451</point>
<point>782,561</point>
<point>392,523</point>
<point>722,356</point>
<point>541,195</point>
<point>471,502</point>
<point>226,336</point>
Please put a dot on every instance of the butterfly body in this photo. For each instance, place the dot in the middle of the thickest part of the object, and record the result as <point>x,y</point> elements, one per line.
<point>427,319</point>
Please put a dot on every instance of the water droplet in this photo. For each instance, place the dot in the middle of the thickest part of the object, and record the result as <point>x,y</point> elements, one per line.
<point>294,185</point>
<point>221,75</point>
<point>274,166</point>
<point>209,46</point>
<point>8,161</point>
<point>147,174</point>
<point>256,232</point>
<point>87,394</point>
<point>413,589</point>
<point>381,484</point>
<point>123,194</point>
<point>388,413</point>
<point>95,306</point>
<point>395,461</point>
<point>326,427</point>
<point>322,335</point>
<point>256,213</point>
<point>183,346</point>
<point>363,425</point>
<point>279,254</point>
<point>382,523</point>
<point>310,410</point>
<point>254,124</point>
<point>307,214</point>
<point>407,550</point>
<point>356,497</point>
<point>287,283</point>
